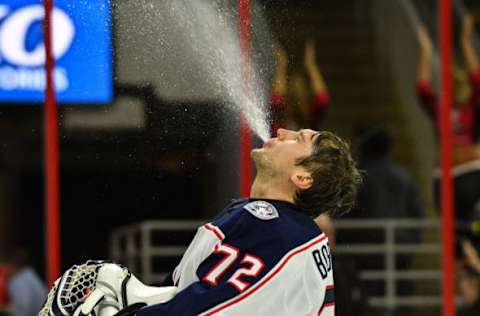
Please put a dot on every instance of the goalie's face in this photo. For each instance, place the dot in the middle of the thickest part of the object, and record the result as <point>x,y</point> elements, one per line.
<point>279,155</point>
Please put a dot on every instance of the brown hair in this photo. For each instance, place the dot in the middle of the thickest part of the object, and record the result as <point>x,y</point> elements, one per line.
<point>335,177</point>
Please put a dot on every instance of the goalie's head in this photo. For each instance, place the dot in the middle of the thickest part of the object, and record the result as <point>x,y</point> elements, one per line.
<point>315,169</point>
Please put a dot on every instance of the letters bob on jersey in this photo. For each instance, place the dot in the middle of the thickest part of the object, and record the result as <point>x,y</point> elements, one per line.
<point>81,46</point>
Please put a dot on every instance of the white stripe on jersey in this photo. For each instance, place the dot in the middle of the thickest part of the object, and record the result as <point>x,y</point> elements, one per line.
<point>202,246</point>
<point>215,230</point>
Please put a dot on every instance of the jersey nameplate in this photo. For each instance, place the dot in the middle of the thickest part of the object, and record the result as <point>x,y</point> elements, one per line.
<point>261,209</point>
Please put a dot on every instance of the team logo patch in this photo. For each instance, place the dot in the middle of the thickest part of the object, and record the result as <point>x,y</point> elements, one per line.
<point>261,209</point>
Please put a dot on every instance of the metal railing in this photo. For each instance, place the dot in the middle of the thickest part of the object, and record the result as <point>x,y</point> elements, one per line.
<point>390,249</point>
<point>134,246</point>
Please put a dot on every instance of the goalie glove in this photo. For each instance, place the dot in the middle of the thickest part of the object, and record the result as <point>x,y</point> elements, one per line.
<point>71,289</point>
<point>100,288</point>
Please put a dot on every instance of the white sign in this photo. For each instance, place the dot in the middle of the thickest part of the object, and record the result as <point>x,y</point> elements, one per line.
<point>26,70</point>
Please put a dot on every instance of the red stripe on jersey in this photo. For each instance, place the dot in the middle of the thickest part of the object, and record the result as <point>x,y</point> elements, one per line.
<point>327,304</point>
<point>215,230</point>
<point>331,304</point>
<point>268,277</point>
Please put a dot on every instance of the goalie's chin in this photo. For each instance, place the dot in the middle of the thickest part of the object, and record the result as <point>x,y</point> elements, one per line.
<point>260,157</point>
<point>256,153</point>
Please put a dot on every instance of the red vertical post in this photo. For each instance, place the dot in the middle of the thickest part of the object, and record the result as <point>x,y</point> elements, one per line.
<point>446,157</point>
<point>51,161</point>
<point>245,137</point>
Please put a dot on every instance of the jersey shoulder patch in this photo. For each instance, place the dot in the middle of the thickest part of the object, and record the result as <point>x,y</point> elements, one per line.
<point>262,210</point>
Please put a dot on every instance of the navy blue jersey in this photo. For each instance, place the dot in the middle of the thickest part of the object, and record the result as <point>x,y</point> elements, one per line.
<point>259,257</point>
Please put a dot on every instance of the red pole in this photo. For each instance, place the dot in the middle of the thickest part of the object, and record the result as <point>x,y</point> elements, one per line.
<point>245,137</point>
<point>52,217</point>
<point>446,157</point>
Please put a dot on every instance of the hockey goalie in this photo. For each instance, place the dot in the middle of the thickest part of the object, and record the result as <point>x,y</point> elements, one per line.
<point>263,255</point>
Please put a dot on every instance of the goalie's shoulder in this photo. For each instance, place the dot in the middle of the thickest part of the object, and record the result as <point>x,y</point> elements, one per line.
<point>247,215</point>
<point>247,209</point>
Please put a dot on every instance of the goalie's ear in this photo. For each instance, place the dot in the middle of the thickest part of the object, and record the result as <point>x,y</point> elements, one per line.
<point>131,309</point>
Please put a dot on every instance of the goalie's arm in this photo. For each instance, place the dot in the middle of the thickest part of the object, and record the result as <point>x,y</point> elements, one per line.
<point>212,258</point>
<point>193,300</point>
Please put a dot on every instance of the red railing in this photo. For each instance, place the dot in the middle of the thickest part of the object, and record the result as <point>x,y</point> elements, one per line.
<point>446,156</point>
<point>52,199</point>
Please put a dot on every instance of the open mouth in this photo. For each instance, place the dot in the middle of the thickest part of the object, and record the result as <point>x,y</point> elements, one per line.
<point>268,143</point>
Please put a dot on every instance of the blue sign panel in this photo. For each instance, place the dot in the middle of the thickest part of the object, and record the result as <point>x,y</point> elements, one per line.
<point>81,46</point>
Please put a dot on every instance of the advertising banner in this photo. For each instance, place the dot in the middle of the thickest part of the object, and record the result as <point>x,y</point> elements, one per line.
<point>82,48</point>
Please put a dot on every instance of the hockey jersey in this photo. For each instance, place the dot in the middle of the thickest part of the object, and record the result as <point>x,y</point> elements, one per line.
<point>260,257</point>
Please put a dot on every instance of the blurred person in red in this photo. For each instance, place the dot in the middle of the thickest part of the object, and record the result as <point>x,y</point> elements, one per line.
<point>468,281</point>
<point>326,225</point>
<point>26,291</point>
<point>310,108</point>
<point>3,288</point>
<point>465,114</point>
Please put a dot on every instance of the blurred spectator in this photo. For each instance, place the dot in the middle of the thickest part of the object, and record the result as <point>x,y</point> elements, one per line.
<point>25,289</point>
<point>326,225</point>
<point>388,191</point>
<point>3,288</point>
<point>469,281</point>
<point>310,109</point>
<point>349,295</point>
<point>319,89</point>
<point>466,127</point>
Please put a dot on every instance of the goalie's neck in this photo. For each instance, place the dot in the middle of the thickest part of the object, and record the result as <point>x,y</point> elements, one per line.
<point>270,189</point>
